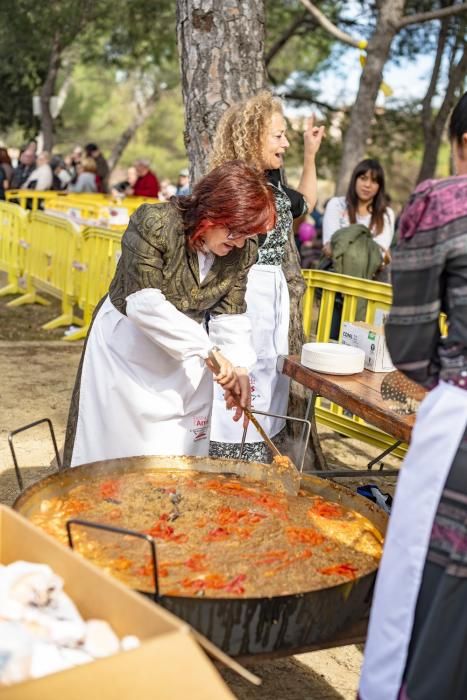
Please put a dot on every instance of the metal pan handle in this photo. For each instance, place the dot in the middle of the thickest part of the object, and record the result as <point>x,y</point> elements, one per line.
<point>11,435</point>
<point>120,531</point>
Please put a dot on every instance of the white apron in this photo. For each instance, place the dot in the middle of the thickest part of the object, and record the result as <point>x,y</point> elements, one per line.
<point>267,298</point>
<point>138,397</point>
<point>440,425</point>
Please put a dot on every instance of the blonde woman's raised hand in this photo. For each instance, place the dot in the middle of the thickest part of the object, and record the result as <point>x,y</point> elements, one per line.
<point>312,137</point>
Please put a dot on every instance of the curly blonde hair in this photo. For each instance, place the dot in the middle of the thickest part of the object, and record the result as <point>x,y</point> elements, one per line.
<point>240,132</point>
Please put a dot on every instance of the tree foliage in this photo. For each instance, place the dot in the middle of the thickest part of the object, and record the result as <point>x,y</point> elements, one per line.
<point>137,36</point>
<point>28,33</point>
<point>122,53</point>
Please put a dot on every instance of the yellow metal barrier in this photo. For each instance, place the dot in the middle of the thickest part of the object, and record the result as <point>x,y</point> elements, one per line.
<point>100,253</point>
<point>13,246</point>
<point>30,199</point>
<point>317,319</point>
<point>80,207</point>
<point>92,209</point>
<point>50,262</point>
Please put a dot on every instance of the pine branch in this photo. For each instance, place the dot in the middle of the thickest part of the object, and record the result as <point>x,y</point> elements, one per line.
<point>434,14</point>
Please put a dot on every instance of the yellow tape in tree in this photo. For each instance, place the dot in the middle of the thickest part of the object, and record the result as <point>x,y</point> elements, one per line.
<point>384,87</point>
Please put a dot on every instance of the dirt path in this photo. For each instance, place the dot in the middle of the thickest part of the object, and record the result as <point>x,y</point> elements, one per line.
<point>37,377</point>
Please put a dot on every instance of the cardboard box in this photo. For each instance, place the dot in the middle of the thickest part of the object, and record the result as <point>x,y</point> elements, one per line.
<point>369,338</point>
<point>169,664</point>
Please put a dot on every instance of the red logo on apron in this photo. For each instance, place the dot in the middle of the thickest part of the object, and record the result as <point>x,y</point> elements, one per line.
<point>200,428</point>
<point>253,390</point>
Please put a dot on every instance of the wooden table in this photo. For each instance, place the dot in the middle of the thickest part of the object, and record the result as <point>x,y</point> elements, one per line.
<point>358,393</point>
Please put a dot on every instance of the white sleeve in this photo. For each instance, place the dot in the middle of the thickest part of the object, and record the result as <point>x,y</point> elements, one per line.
<point>33,176</point>
<point>44,179</point>
<point>384,239</point>
<point>331,219</point>
<point>177,334</point>
<point>232,333</point>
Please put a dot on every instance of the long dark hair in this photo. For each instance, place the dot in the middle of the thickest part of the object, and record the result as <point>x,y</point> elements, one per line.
<point>378,206</point>
<point>233,195</point>
<point>4,157</point>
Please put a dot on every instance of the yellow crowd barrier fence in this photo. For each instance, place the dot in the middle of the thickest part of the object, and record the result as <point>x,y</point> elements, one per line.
<point>100,253</point>
<point>86,209</point>
<point>53,247</point>
<point>29,199</point>
<point>13,246</point>
<point>81,206</point>
<point>317,319</point>
<point>318,309</point>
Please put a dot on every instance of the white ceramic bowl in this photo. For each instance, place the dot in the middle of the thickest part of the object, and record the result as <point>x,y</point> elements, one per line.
<point>333,358</point>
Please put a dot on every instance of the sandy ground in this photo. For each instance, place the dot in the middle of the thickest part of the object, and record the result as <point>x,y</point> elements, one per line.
<point>37,376</point>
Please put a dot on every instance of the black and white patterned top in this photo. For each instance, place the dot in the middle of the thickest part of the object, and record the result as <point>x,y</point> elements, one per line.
<point>290,204</point>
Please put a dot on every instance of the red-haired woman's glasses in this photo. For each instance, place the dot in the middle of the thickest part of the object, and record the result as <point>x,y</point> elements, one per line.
<point>234,235</point>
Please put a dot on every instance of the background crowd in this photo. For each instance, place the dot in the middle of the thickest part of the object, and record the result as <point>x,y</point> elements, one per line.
<point>84,170</point>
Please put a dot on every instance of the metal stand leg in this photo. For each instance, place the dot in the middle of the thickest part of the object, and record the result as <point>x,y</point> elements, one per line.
<point>353,473</point>
<point>357,473</point>
<point>383,455</point>
<point>319,460</point>
<point>11,435</point>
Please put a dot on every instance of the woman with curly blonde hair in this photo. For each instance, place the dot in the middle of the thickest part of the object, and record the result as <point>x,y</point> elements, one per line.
<point>255,131</point>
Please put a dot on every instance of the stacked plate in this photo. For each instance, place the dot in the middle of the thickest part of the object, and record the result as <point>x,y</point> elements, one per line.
<point>332,358</point>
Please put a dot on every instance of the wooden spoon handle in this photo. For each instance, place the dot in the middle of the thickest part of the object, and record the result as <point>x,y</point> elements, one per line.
<point>247,411</point>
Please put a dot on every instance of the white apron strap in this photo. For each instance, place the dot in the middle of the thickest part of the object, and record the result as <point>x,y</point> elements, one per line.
<point>267,299</point>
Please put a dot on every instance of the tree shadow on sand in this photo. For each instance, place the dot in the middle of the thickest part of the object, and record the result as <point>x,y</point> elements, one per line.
<point>283,679</point>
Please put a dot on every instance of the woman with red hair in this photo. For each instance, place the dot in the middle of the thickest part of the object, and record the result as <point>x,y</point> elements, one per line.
<point>144,385</point>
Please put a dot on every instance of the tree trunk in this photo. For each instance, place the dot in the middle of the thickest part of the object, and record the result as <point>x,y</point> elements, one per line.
<point>430,154</point>
<point>433,129</point>
<point>143,113</point>
<point>221,47</point>
<point>65,89</point>
<point>358,131</point>
<point>47,91</point>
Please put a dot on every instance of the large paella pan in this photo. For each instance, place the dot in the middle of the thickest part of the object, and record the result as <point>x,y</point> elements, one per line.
<point>255,570</point>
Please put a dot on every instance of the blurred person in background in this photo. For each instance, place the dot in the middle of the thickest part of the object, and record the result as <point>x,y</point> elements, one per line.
<point>167,190</point>
<point>72,162</point>
<point>41,177</point>
<point>26,165</point>
<point>32,147</point>
<point>309,245</point>
<point>61,176</point>
<point>365,203</point>
<point>87,180</point>
<point>183,183</point>
<point>5,163</point>
<point>147,184</point>
<point>125,187</point>
<point>3,183</point>
<point>358,230</point>
<point>92,150</point>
